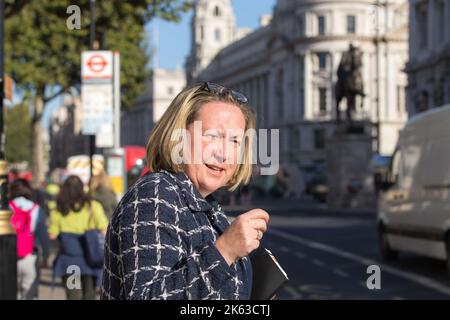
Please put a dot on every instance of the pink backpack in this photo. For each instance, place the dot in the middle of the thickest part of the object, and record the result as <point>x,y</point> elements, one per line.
<point>21,221</point>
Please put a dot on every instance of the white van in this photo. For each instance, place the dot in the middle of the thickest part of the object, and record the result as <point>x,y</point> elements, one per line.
<point>414,204</point>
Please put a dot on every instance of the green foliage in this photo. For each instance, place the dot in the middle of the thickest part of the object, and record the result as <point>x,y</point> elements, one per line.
<point>13,7</point>
<point>42,53</point>
<point>18,134</point>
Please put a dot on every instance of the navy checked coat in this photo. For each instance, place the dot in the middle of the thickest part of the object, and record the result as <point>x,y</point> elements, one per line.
<point>160,245</point>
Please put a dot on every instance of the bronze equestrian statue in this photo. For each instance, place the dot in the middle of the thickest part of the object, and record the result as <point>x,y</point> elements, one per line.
<point>349,83</point>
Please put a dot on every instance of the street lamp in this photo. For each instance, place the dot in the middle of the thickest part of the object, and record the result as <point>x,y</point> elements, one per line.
<point>8,239</point>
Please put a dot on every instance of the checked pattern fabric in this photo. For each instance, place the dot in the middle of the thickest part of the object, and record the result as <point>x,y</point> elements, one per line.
<point>160,245</point>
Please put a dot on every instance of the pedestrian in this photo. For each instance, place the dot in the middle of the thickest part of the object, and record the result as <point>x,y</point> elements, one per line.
<point>52,190</point>
<point>29,222</point>
<point>75,214</point>
<point>102,191</point>
<point>169,238</point>
<point>41,197</point>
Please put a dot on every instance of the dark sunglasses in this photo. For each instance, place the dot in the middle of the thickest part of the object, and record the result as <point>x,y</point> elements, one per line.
<point>221,90</point>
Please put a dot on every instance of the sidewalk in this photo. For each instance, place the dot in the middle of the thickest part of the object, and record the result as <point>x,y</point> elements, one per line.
<point>46,292</point>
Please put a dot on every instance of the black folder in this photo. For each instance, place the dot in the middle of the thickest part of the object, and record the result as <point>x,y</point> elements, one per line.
<point>268,276</point>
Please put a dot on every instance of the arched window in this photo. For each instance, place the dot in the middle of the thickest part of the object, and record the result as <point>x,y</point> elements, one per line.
<point>217,12</point>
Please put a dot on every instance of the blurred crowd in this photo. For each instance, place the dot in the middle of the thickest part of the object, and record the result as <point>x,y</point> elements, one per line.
<point>49,220</point>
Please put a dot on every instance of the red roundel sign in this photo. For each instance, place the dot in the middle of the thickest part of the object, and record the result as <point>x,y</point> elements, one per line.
<point>96,65</point>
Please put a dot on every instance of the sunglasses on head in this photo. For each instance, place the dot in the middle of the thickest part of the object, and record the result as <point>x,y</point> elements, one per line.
<point>221,90</point>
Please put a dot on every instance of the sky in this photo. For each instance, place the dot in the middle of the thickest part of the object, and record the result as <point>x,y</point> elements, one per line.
<point>174,39</point>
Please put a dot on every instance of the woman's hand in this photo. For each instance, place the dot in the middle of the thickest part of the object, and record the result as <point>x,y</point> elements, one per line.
<point>243,235</point>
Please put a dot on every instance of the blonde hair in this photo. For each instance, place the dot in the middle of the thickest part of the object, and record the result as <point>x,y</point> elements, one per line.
<point>101,180</point>
<point>183,111</point>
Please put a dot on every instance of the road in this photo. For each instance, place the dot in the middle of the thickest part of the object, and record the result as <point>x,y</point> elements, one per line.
<point>326,255</point>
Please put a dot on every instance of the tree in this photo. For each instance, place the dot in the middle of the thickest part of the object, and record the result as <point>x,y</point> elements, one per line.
<point>43,55</point>
<point>18,133</point>
<point>13,7</point>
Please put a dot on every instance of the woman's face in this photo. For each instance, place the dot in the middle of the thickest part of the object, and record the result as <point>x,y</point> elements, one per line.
<point>216,140</point>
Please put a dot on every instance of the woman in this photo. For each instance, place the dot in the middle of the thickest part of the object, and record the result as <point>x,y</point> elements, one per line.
<point>103,192</point>
<point>169,238</point>
<point>76,213</point>
<point>29,222</point>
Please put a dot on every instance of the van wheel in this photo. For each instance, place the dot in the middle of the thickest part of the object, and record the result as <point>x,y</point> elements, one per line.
<point>386,252</point>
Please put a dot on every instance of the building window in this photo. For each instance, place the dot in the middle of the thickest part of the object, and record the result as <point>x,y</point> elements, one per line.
<point>421,101</point>
<point>301,26</point>
<point>351,24</point>
<point>322,100</point>
<point>170,90</point>
<point>217,35</point>
<point>295,140</point>
<point>319,138</point>
<point>266,100</point>
<point>440,20</point>
<point>301,92</point>
<point>321,25</point>
<point>217,12</point>
<point>202,32</point>
<point>422,24</point>
<point>322,56</point>
<point>279,92</point>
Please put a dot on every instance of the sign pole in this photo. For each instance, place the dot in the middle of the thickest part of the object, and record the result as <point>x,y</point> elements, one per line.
<point>116,99</point>
<point>97,95</point>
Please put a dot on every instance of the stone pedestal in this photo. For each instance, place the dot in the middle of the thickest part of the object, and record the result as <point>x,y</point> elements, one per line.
<point>348,170</point>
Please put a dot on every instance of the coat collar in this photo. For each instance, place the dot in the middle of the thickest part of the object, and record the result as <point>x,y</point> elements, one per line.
<point>195,201</point>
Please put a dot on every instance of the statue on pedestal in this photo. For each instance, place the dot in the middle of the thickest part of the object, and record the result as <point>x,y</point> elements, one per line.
<point>349,83</point>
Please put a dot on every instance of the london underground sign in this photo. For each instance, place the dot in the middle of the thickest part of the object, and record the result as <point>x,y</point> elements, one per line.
<point>96,66</point>
<point>99,95</point>
<point>97,63</point>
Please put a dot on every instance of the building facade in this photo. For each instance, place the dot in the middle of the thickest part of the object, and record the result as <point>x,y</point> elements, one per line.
<point>161,88</point>
<point>287,68</point>
<point>428,67</point>
<point>213,27</point>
